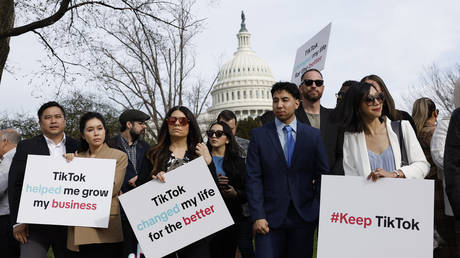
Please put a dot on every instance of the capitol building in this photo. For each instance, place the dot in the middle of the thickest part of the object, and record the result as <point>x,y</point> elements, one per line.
<point>244,82</point>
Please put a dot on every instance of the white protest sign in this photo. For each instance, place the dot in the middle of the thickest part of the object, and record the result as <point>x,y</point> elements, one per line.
<point>312,54</point>
<point>168,216</point>
<point>57,192</point>
<point>388,218</point>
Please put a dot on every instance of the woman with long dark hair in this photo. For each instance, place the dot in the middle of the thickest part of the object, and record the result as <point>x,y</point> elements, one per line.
<point>371,147</point>
<point>179,141</point>
<point>389,109</point>
<point>99,242</point>
<point>230,170</point>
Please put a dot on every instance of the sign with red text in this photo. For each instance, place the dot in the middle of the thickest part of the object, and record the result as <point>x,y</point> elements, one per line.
<point>76,193</point>
<point>168,216</point>
<point>388,218</point>
<point>312,54</point>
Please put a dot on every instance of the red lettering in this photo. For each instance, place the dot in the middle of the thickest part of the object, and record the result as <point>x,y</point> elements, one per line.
<point>197,217</point>
<point>351,220</point>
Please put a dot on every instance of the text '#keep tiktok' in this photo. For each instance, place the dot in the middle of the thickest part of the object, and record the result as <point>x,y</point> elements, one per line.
<point>381,221</point>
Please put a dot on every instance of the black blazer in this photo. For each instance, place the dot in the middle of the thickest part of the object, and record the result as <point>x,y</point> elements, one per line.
<point>147,167</point>
<point>330,132</point>
<point>236,173</point>
<point>35,146</point>
<point>141,148</point>
<point>452,162</point>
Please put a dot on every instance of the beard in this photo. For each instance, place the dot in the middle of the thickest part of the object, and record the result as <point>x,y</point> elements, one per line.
<point>312,97</point>
<point>135,135</point>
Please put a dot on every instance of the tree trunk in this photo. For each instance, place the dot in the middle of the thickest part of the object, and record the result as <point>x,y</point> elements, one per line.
<point>6,23</point>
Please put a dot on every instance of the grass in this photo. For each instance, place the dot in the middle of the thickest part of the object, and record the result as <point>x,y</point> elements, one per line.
<point>50,253</point>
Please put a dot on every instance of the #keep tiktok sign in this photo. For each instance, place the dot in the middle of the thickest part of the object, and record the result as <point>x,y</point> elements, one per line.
<point>388,218</point>
<point>168,216</point>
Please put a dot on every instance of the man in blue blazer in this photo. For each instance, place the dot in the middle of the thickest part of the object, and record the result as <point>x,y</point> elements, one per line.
<point>284,165</point>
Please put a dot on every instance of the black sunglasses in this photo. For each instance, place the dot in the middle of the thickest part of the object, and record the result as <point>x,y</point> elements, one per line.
<point>218,133</point>
<point>318,83</point>
<point>370,99</point>
<point>183,121</point>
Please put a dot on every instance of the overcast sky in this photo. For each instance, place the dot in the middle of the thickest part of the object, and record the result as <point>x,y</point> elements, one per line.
<point>394,39</point>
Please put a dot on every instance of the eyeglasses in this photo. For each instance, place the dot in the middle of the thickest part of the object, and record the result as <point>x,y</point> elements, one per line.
<point>339,94</point>
<point>183,121</point>
<point>318,83</point>
<point>370,99</point>
<point>218,133</point>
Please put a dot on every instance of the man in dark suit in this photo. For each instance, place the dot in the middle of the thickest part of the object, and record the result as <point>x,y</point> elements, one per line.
<point>130,142</point>
<point>284,165</point>
<point>313,114</point>
<point>36,239</point>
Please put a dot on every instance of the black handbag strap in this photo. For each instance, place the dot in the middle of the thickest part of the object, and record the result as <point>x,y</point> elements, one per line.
<point>396,126</point>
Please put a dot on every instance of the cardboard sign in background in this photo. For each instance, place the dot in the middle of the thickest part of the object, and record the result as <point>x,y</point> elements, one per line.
<point>349,224</point>
<point>76,193</point>
<point>168,216</point>
<point>312,54</point>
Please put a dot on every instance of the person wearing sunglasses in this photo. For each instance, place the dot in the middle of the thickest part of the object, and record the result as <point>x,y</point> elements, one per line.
<point>389,109</point>
<point>179,141</point>
<point>230,170</point>
<point>371,147</point>
<point>341,93</point>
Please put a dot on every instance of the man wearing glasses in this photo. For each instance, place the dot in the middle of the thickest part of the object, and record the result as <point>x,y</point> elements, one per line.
<point>130,141</point>
<point>312,113</point>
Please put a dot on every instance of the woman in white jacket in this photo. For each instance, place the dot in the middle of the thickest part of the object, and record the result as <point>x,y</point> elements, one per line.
<point>370,147</point>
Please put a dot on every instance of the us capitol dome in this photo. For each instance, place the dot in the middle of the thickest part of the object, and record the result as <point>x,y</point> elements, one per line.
<point>244,83</point>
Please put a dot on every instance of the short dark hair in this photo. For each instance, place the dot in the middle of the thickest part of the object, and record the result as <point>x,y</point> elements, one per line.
<point>84,146</point>
<point>227,115</point>
<point>48,105</point>
<point>349,83</point>
<point>291,88</point>
<point>309,70</point>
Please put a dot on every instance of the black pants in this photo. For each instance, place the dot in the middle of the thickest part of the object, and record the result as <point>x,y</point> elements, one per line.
<point>198,249</point>
<point>129,245</point>
<point>293,239</point>
<point>9,247</point>
<point>223,243</point>
<point>245,243</point>
<point>112,250</point>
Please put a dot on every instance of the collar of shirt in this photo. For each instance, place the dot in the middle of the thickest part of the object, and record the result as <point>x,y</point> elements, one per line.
<point>281,135</point>
<point>280,125</point>
<point>56,149</point>
<point>9,155</point>
<point>125,142</point>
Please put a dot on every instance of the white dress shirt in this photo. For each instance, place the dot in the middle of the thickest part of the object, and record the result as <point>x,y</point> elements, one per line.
<point>4,170</point>
<point>56,150</point>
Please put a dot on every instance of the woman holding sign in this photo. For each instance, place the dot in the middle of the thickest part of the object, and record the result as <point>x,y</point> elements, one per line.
<point>99,242</point>
<point>231,171</point>
<point>371,145</point>
<point>179,142</point>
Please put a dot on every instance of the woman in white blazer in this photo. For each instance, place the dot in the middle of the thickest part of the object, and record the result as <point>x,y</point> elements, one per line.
<point>370,146</point>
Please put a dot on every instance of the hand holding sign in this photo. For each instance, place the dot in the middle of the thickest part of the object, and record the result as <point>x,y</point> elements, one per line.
<point>180,211</point>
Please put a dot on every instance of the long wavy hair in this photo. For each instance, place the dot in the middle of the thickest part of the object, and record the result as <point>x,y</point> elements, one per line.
<point>84,146</point>
<point>231,149</point>
<point>422,110</point>
<point>389,108</point>
<point>159,153</point>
